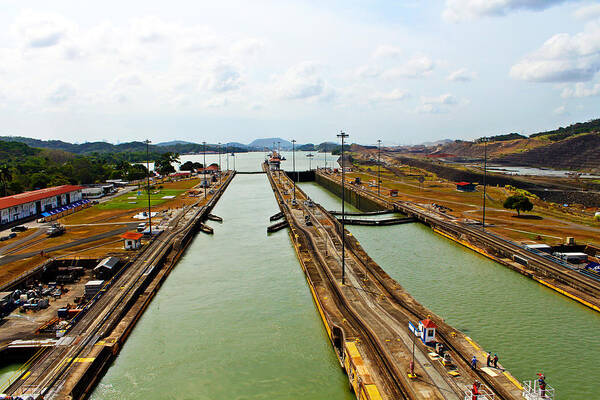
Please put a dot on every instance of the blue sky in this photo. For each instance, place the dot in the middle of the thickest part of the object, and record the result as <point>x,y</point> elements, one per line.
<point>400,71</point>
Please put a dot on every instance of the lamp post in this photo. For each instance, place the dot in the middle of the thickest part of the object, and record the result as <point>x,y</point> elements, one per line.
<point>343,135</point>
<point>294,165</point>
<point>378,167</point>
<point>220,163</point>
<point>485,140</point>
<point>147,141</point>
<point>325,155</point>
<point>227,155</point>
<point>204,183</point>
<point>233,155</point>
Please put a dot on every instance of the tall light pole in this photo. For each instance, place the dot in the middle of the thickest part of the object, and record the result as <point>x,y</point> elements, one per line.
<point>227,155</point>
<point>220,163</point>
<point>378,167</point>
<point>325,155</point>
<point>310,156</point>
<point>343,135</point>
<point>485,140</point>
<point>294,165</point>
<point>204,183</point>
<point>147,141</point>
<point>233,155</point>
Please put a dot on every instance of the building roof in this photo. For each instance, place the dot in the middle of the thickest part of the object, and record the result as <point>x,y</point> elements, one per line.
<point>132,235</point>
<point>463,183</point>
<point>35,195</point>
<point>427,323</point>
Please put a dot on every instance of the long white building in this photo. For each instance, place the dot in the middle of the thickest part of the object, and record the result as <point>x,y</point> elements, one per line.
<point>38,202</point>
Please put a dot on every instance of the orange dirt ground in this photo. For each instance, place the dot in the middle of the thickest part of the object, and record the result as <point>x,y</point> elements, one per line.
<point>99,221</point>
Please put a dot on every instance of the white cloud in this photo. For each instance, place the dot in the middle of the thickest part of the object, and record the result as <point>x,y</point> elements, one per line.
<point>387,51</point>
<point>561,110</point>
<point>416,67</point>
<point>466,10</point>
<point>61,92</point>
<point>563,58</point>
<point>37,30</point>
<point>461,75</point>
<point>580,90</point>
<point>366,71</point>
<point>438,104</point>
<point>588,12</point>
<point>394,95</point>
<point>223,77</point>
<point>303,81</point>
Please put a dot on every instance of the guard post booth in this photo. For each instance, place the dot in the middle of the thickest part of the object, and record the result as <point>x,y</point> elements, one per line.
<point>427,329</point>
<point>132,240</point>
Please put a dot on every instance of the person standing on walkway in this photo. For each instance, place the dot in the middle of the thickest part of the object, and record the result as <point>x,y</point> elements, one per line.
<point>489,358</point>
<point>474,363</point>
<point>495,360</point>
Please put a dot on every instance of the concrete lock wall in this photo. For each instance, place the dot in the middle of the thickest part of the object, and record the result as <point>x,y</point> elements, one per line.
<point>362,203</point>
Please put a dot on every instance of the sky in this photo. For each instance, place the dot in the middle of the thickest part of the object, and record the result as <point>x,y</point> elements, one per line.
<point>403,71</point>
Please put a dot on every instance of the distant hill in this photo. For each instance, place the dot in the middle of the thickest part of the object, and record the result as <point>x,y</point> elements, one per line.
<point>576,147</point>
<point>174,142</point>
<point>437,142</point>
<point>260,144</point>
<point>104,147</point>
<point>574,129</point>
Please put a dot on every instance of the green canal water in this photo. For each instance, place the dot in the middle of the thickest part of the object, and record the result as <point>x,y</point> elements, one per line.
<point>533,329</point>
<point>7,373</point>
<point>234,320</point>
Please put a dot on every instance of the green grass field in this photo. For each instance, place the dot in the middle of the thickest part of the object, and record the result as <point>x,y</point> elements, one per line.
<point>124,202</point>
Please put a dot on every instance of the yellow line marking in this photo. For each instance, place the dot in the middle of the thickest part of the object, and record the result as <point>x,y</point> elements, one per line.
<point>586,303</point>
<point>513,380</point>
<point>472,343</point>
<point>26,375</point>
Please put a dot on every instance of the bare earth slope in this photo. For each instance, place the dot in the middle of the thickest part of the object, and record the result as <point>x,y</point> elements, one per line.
<point>581,152</point>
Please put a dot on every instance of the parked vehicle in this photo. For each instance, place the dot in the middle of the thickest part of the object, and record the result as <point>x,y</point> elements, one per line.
<point>55,230</point>
<point>19,228</point>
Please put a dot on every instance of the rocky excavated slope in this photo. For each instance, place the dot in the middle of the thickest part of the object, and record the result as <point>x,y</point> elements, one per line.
<point>581,152</point>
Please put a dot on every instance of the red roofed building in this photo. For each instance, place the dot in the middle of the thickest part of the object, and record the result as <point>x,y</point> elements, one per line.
<point>32,204</point>
<point>133,240</point>
<point>427,328</point>
<point>465,186</point>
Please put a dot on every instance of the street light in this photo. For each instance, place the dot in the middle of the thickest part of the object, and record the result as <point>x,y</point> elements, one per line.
<point>310,156</point>
<point>378,167</point>
<point>343,135</point>
<point>294,166</point>
<point>204,183</point>
<point>485,140</point>
<point>147,141</point>
<point>227,155</point>
<point>220,163</point>
<point>233,155</point>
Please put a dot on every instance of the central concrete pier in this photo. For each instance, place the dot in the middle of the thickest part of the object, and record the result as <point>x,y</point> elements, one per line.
<point>367,316</point>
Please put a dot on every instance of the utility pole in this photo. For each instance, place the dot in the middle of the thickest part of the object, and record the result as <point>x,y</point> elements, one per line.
<point>343,135</point>
<point>294,165</point>
<point>378,167</point>
<point>485,140</point>
<point>204,183</point>
<point>220,163</point>
<point>147,141</point>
